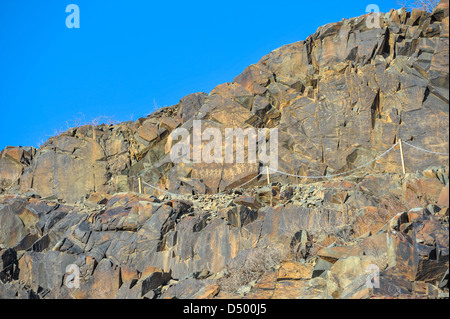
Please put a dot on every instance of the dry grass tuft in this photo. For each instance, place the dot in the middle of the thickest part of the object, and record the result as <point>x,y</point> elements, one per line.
<point>256,263</point>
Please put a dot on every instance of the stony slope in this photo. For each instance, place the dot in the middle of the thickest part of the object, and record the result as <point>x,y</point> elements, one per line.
<point>339,98</point>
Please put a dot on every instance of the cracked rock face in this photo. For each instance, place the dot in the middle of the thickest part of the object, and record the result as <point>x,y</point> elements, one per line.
<point>233,245</point>
<point>339,99</point>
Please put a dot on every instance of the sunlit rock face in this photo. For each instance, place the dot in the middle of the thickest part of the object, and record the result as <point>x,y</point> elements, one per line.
<point>339,99</point>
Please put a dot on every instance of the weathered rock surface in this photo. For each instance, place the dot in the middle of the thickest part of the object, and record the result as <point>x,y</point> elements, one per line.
<point>13,163</point>
<point>339,99</point>
<point>137,246</point>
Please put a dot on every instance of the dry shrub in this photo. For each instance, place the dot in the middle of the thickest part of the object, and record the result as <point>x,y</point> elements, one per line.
<point>389,206</point>
<point>241,272</point>
<point>425,5</point>
<point>107,120</point>
<point>379,252</point>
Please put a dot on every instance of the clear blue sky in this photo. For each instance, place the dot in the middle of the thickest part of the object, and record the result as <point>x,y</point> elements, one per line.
<point>129,55</point>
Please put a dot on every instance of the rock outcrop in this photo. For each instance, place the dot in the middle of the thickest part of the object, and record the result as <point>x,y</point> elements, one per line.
<point>339,99</point>
<point>319,242</point>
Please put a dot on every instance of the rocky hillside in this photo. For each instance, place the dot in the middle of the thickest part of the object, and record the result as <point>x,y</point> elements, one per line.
<point>339,99</point>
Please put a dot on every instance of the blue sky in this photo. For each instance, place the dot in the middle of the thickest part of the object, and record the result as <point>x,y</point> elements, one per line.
<point>129,57</point>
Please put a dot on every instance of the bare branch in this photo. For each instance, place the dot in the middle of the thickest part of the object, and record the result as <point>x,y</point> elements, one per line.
<point>425,5</point>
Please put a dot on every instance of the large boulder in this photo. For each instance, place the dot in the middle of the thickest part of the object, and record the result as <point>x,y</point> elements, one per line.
<point>13,162</point>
